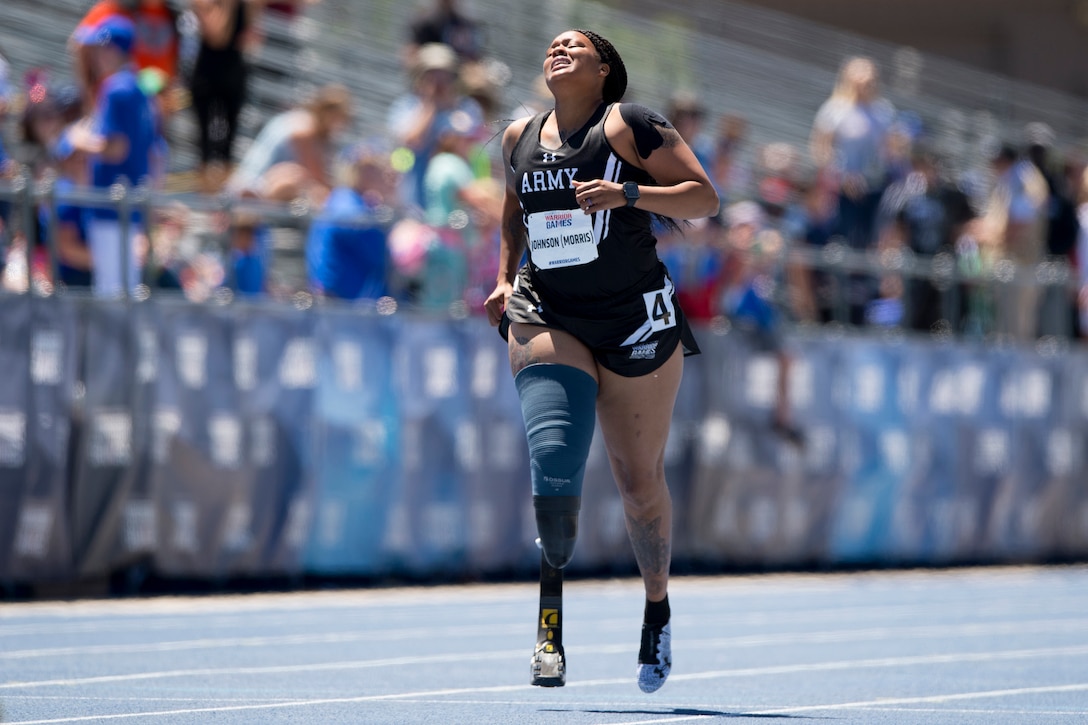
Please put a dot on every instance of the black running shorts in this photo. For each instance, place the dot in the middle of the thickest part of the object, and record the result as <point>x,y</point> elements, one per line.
<point>631,337</point>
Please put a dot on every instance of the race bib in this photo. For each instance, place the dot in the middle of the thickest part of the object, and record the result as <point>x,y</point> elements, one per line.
<point>562,238</point>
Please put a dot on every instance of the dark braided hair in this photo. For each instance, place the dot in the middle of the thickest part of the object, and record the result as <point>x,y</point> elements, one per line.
<point>615,83</point>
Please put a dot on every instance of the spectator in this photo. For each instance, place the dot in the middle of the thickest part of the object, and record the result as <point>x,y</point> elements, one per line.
<point>156,45</point>
<point>850,143</point>
<point>120,138</point>
<point>687,113</point>
<point>776,179</point>
<point>250,248</point>
<point>7,166</point>
<point>1062,225</point>
<point>444,23</point>
<point>850,146</point>
<point>415,117</point>
<point>74,262</point>
<point>1014,227</point>
<point>924,214</point>
<point>346,252</point>
<point>1082,254</point>
<point>481,82</point>
<point>218,83</point>
<point>748,295</point>
<point>453,202</point>
<point>304,139</point>
<point>6,91</point>
<point>694,260</point>
<point>812,223</point>
<point>47,112</point>
<point>731,175</point>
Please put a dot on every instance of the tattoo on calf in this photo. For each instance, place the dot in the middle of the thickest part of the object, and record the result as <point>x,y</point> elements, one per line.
<point>652,549</point>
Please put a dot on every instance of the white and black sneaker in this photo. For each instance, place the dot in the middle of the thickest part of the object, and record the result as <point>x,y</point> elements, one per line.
<point>654,657</point>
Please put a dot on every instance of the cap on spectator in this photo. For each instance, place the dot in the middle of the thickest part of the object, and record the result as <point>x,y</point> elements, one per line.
<point>436,56</point>
<point>115,30</point>
<point>455,123</point>
<point>1038,133</point>
<point>744,212</point>
<point>685,102</point>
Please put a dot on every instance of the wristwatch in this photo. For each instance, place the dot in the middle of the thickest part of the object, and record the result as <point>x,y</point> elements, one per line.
<point>630,192</point>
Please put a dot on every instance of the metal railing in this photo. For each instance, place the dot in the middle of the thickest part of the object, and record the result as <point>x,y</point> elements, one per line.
<point>952,280</point>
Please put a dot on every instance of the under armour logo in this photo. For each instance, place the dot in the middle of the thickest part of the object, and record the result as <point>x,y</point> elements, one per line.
<point>549,157</point>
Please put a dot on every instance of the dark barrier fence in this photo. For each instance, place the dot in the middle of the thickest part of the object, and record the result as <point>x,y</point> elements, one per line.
<point>217,441</point>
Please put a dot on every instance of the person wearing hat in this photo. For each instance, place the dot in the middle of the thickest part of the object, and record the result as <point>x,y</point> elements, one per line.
<point>299,143</point>
<point>415,117</point>
<point>347,255</point>
<point>120,138</point>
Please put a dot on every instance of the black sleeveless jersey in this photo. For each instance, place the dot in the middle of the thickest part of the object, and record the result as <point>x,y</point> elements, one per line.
<point>578,261</point>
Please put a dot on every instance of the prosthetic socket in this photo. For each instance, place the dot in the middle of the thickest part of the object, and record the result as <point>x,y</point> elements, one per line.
<point>559,406</point>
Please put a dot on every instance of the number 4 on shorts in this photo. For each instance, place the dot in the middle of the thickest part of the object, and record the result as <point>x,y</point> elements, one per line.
<point>659,309</point>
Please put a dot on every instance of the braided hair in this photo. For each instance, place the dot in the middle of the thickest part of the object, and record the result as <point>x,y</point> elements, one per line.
<point>615,83</point>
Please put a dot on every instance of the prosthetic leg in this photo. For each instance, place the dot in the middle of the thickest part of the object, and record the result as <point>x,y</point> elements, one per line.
<point>549,665</point>
<point>559,406</point>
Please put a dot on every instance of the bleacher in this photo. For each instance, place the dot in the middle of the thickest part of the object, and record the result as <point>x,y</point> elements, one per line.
<point>768,67</point>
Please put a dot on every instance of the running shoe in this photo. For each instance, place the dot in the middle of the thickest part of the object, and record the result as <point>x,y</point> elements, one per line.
<point>654,657</point>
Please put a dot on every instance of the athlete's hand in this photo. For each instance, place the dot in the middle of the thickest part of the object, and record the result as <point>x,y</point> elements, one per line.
<point>598,195</point>
<point>496,302</point>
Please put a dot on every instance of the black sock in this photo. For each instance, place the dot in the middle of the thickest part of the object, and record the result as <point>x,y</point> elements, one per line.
<point>657,613</point>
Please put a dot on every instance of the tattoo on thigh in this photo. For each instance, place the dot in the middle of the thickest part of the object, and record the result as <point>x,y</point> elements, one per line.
<point>651,547</point>
<point>521,353</point>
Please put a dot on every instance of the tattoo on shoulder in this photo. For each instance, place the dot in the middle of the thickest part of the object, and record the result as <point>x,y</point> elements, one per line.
<point>670,138</point>
<point>650,128</point>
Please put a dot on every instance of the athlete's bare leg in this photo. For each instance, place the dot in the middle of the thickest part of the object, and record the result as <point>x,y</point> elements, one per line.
<point>635,415</point>
<point>529,344</point>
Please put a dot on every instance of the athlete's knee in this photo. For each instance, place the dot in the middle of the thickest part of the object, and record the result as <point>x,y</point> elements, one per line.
<point>559,406</point>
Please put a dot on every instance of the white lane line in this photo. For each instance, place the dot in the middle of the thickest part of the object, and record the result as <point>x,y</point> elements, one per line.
<point>125,621</point>
<point>368,635</point>
<point>905,661</point>
<point>266,670</point>
<point>747,672</point>
<point>880,705</point>
<point>952,697</point>
<point>265,706</point>
<point>587,650</point>
<point>978,711</point>
<point>980,629</point>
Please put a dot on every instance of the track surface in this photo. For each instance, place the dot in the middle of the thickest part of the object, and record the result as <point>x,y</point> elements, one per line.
<point>1002,645</point>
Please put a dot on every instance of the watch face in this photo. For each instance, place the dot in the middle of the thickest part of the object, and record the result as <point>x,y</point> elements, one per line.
<point>630,190</point>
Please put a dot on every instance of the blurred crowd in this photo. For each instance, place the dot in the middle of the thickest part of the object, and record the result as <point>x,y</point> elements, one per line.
<point>870,225</point>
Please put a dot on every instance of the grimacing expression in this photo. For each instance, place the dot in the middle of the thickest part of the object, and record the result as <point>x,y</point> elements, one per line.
<point>571,53</point>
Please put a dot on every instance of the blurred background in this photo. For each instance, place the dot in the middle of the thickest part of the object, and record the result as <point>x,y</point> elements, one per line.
<point>263,354</point>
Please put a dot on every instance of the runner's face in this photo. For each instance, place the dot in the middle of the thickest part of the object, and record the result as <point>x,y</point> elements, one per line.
<point>571,54</point>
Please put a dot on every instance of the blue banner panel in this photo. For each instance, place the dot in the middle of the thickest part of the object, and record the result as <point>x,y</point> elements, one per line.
<point>356,459</point>
<point>108,532</point>
<point>38,354</point>
<point>202,467</point>
<point>427,527</point>
<point>279,416</point>
<point>494,458</point>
